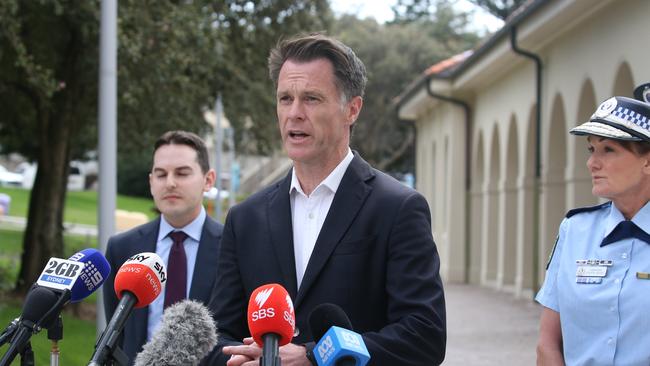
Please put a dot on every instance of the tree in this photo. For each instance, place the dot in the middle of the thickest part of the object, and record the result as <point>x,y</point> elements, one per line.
<point>410,10</point>
<point>174,57</point>
<point>395,55</point>
<point>499,8</point>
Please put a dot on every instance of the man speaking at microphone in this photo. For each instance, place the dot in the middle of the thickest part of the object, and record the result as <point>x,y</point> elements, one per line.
<point>183,236</point>
<point>334,230</point>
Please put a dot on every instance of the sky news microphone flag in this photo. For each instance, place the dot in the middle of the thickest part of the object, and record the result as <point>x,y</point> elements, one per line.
<point>137,283</point>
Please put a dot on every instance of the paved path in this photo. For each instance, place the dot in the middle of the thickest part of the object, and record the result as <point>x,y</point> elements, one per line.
<point>486,327</point>
<point>18,223</point>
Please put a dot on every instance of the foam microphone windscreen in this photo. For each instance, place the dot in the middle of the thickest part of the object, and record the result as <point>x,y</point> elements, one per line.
<point>325,316</point>
<point>186,334</point>
<point>93,275</point>
<point>38,302</point>
<point>270,310</point>
<point>144,275</point>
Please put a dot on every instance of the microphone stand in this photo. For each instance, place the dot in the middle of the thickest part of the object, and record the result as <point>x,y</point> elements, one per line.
<point>27,355</point>
<point>55,334</point>
<point>6,334</point>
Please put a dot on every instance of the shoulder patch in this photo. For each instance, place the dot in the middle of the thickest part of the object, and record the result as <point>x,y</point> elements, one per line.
<point>587,209</point>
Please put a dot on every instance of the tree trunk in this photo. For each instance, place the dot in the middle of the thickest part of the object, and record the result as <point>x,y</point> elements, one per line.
<point>44,232</point>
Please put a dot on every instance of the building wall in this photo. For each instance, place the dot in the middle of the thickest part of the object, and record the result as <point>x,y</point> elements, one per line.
<point>603,52</point>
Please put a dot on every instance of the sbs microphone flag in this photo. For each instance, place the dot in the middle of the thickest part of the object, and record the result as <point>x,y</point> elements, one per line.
<point>271,320</point>
<point>186,334</point>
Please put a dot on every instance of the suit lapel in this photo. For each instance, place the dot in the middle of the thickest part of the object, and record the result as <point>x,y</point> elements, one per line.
<point>279,216</point>
<point>348,200</point>
<point>206,261</point>
<point>145,243</point>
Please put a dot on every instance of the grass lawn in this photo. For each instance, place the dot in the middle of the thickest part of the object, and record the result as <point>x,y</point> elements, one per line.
<point>75,348</point>
<point>80,207</point>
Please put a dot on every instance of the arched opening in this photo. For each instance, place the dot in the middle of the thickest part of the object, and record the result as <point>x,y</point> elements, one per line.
<point>553,182</point>
<point>525,213</point>
<point>508,206</point>
<point>578,177</point>
<point>491,210</point>
<point>624,82</point>
<point>476,211</point>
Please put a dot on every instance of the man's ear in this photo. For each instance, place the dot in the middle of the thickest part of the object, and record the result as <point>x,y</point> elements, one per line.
<point>210,178</point>
<point>354,108</point>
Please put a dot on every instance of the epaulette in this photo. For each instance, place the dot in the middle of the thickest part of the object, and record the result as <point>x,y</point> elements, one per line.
<point>587,209</point>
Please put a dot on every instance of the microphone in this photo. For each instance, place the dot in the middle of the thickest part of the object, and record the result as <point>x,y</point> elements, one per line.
<point>137,283</point>
<point>38,302</point>
<point>271,321</point>
<point>93,274</point>
<point>55,287</point>
<point>186,334</point>
<point>338,346</point>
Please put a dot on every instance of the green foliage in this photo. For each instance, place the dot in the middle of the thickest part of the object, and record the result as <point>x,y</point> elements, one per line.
<point>47,60</point>
<point>77,344</point>
<point>412,10</point>
<point>133,174</point>
<point>251,29</point>
<point>395,55</point>
<point>11,244</point>
<point>499,8</point>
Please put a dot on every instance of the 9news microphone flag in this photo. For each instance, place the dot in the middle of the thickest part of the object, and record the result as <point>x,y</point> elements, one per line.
<point>62,281</point>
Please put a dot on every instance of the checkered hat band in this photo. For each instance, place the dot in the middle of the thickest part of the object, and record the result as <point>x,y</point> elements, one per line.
<point>631,120</point>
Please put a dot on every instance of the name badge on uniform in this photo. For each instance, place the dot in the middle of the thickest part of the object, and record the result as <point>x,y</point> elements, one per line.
<point>592,271</point>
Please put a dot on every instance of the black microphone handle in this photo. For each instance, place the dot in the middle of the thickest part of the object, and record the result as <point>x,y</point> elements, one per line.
<point>108,340</point>
<point>270,350</point>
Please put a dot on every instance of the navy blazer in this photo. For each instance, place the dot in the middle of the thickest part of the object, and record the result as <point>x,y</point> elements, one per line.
<point>374,257</point>
<point>143,239</point>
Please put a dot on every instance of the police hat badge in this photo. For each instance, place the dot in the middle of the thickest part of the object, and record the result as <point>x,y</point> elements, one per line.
<point>642,92</point>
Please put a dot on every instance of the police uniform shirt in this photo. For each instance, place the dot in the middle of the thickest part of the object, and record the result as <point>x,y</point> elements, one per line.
<point>601,292</point>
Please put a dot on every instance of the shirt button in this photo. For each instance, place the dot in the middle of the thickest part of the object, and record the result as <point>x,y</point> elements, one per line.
<point>610,341</point>
<point>617,280</point>
<point>311,215</point>
<point>624,255</point>
<point>612,308</point>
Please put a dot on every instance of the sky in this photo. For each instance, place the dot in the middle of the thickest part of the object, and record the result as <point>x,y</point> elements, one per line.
<point>381,11</point>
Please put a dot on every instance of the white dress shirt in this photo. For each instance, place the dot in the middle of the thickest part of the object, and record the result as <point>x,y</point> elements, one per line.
<point>308,213</point>
<point>163,247</point>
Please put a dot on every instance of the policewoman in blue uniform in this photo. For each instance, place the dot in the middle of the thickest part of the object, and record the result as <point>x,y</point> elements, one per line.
<point>596,294</point>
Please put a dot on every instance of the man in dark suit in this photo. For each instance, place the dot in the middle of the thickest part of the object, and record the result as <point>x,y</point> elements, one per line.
<point>178,178</point>
<point>333,230</point>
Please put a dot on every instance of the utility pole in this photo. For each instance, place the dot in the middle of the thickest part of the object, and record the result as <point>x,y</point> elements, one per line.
<point>107,116</point>
<point>218,111</point>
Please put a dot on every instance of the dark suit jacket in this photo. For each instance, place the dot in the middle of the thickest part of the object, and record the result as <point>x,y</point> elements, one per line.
<point>143,239</point>
<point>374,257</point>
